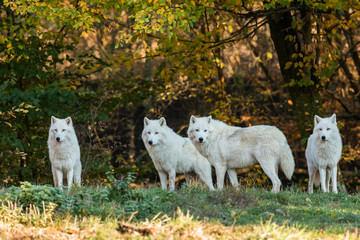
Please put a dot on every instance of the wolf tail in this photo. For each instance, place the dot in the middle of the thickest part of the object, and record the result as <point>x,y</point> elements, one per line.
<point>287,162</point>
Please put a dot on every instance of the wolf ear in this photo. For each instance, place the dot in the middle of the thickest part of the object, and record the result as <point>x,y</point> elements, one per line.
<point>162,122</point>
<point>333,118</point>
<point>209,118</point>
<point>192,119</point>
<point>68,121</point>
<point>317,119</point>
<point>146,121</point>
<point>53,119</point>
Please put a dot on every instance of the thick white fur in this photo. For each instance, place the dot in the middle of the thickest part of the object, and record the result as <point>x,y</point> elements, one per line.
<point>323,152</point>
<point>228,148</point>
<point>173,154</point>
<point>64,152</point>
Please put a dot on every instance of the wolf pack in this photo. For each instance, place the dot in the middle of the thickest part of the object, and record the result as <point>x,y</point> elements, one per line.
<point>211,144</point>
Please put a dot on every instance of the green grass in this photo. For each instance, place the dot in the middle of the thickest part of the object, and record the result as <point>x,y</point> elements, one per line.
<point>254,213</point>
<point>326,211</point>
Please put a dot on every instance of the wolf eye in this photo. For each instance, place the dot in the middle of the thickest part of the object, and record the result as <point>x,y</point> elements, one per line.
<point>205,130</point>
<point>328,129</point>
<point>156,132</point>
<point>148,132</point>
<point>320,129</point>
<point>55,130</point>
<point>197,130</point>
<point>63,130</point>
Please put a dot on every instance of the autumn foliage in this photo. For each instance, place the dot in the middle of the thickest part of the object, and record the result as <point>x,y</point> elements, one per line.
<point>110,63</point>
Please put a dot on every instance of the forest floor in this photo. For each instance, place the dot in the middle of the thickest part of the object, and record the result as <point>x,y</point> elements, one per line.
<point>117,211</point>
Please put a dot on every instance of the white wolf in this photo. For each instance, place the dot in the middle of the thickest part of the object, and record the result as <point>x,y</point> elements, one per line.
<point>228,148</point>
<point>64,152</point>
<point>323,152</point>
<point>173,154</point>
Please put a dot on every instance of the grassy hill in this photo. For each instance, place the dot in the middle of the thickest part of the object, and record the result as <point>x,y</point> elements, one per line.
<point>117,211</point>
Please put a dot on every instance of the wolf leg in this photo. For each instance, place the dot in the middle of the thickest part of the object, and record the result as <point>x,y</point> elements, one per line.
<point>69,177</point>
<point>312,174</point>
<point>322,172</point>
<point>58,177</point>
<point>334,179</point>
<point>328,172</point>
<point>163,179</point>
<point>220,175</point>
<point>77,173</point>
<point>269,166</point>
<point>271,173</point>
<point>172,176</point>
<point>233,178</point>
<point>54,176</point>
<point>206,177</point>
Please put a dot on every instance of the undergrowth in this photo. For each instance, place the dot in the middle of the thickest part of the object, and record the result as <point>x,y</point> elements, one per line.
<point>191,208</point>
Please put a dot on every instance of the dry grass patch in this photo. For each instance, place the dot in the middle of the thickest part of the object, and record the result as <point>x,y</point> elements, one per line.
<point>182,226</point>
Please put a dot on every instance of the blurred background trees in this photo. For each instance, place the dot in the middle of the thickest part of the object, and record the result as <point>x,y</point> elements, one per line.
<point>110,63</point>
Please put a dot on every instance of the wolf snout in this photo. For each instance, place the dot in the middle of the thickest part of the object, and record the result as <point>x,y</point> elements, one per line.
<point>150,142</point>
<point>201,139</point>
<point>58,139</point>
<point>323,138</point>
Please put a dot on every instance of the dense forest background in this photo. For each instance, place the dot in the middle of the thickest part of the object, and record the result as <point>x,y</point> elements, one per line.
<point>108,64</point>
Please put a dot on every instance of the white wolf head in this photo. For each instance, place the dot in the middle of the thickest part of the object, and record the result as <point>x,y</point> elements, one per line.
<point>324,128</point>
<point>199,129</point>
<point>61,129</point>
<point>154,131</point>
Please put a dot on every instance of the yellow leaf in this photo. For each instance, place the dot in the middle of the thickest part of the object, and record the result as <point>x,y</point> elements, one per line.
<point>288,65</point>
<point>9,46</point>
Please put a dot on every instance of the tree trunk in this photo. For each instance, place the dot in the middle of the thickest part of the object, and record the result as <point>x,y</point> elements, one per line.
<point>306,102</point>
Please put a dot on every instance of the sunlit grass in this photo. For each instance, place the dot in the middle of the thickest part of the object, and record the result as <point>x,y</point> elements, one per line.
<point>191,212</point>
<point>180,226</point>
